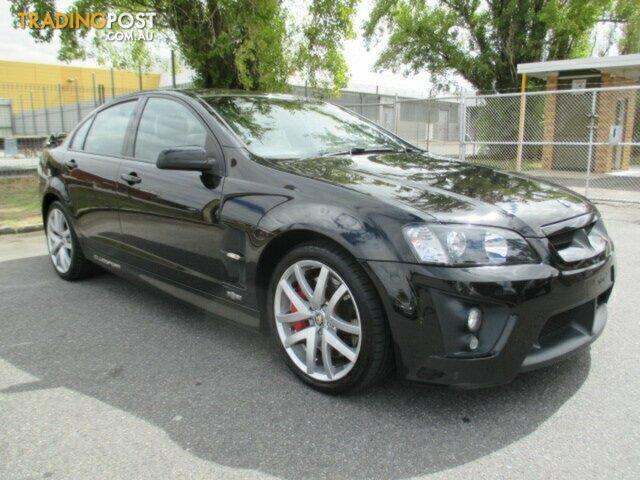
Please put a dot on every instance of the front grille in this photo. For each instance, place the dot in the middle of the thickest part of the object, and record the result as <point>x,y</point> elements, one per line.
<point>585,243</point>
<point>560,241</point>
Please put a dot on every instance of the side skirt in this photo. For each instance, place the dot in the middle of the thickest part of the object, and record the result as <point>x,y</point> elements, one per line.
<point>226,309</point>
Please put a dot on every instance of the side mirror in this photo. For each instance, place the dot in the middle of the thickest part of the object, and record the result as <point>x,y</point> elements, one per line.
<point>184,158</point>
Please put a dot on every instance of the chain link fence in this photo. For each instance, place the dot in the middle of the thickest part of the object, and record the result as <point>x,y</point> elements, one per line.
<point>587,140</point>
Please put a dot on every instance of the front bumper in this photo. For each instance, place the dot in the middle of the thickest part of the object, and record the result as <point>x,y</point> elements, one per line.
<point>533,316</point>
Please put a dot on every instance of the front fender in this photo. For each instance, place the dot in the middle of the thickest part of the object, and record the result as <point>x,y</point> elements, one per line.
<point>360,233</point>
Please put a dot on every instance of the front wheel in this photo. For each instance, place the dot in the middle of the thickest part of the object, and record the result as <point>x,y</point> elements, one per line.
<point>328,320</point>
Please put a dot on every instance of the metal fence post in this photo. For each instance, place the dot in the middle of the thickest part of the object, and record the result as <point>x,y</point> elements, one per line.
<point>139,78</point>
<point>592,127</point>
<point>429,115</point>
<point>61,108</point>
<point>93,89</point>
<point>173,70</point>
<point>113,85</point>
<point>33,114</point>
<point>12,117</point>
<point>46,111</point>
<point>462,127</point>
<point>22,114</point>
<point>395,114</point>
<point>521,122</point>
<point>78,103</point>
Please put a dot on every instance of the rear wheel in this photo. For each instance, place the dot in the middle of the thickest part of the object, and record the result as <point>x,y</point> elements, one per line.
<point>64,249</point>
<point>327,319</point>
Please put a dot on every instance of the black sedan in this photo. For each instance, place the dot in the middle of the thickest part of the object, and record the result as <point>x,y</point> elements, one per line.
<point>355,250</point>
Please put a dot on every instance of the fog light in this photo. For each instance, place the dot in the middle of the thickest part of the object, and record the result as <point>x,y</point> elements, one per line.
<point>474,319</point>
<point>473,342</point>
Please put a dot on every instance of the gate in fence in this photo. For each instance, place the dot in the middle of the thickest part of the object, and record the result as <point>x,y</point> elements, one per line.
<point>587,140</point>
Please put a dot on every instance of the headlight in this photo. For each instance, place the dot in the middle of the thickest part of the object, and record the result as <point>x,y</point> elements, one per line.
<point>459,245</point>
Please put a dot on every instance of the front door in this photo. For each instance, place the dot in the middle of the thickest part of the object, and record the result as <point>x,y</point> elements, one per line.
<point>170,219</point>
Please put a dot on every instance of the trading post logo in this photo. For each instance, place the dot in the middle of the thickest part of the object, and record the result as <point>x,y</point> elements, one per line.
<point>117,26</point>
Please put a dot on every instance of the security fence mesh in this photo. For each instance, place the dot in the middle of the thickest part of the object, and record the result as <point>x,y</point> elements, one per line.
<point>587,140</point>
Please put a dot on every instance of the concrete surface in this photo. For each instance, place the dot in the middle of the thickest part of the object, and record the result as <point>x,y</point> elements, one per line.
<point>102,379</point>
<point>12,165</point>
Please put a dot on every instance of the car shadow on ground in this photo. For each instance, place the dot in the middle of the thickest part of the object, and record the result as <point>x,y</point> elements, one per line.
<point>222,393</point>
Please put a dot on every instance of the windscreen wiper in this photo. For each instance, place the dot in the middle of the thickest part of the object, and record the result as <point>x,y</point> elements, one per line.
<point>361,150</point>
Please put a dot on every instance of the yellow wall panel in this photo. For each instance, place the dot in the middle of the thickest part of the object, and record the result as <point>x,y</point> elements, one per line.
<point>27,84</point>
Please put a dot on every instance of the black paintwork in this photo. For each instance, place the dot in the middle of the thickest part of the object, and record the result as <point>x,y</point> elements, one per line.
<point>173,230</point>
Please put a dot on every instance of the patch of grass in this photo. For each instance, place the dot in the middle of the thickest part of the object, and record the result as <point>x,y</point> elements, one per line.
<point>19,201</point>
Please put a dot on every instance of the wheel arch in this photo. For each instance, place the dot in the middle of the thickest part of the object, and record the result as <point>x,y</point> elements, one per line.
<point>47,200</point>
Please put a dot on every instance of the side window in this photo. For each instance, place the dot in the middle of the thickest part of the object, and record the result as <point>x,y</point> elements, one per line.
<point>166,124</point>
<point>109,128</point>
<point>81,133</point>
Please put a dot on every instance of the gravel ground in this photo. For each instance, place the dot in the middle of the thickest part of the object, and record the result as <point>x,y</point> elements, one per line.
<point>103,379</point>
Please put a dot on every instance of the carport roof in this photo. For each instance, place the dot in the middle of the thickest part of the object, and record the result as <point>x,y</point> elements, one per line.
<point>625,65</point>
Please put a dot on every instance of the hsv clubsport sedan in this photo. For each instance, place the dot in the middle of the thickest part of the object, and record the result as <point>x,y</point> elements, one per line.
<point>355,250</point>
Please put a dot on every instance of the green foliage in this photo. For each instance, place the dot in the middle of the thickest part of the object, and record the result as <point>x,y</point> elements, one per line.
<point>482,41</point>
<point>319,57</point>
<point>236,44</point>
<point>627,12</point>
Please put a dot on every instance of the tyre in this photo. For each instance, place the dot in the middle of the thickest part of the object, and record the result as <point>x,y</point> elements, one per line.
<point>327,319</point>
<point>64,249</point>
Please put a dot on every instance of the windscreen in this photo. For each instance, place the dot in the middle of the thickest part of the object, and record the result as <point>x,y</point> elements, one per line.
<point>290,128</point>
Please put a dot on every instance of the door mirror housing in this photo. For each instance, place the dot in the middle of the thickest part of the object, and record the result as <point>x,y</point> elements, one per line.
<point>185,158</point>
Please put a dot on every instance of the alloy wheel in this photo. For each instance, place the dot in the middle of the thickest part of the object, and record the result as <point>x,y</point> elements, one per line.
<point>59,240</point>
<point>317,320</point>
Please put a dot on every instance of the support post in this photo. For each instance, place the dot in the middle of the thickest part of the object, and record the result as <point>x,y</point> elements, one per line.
<point>79,110</point>
<point>521,122</point>
<point>173,69</point>
<point>22,114</point>
<point>33,114</point>
<point>592,127</point>
<point>46,111</point>
<point>139,78</point>
<point>61,108</point>
<point>395,114</point>
<point>93,89</point>
<point>113,85</point>
<point>462,127</point>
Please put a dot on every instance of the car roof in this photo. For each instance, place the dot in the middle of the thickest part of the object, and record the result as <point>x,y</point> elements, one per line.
<point>209,93</point>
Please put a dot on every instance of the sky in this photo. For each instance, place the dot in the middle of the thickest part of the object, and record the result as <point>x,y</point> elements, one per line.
<point>18,45</point>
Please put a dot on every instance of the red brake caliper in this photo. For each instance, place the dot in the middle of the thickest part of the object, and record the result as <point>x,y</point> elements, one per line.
<point>300,324</point>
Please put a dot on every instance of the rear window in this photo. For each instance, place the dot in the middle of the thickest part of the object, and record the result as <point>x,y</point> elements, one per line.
<point>109,128</point>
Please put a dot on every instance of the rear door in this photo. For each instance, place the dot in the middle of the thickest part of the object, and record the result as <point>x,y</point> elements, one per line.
<point>91,172</point>
<point>170,219</point>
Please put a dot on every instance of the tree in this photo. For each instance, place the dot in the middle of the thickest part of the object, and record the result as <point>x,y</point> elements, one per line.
<point>483,41</point>
<point>627,13</point>
<point>237,44</point>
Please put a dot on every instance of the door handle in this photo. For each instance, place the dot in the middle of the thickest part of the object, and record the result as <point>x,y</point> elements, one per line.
<point>71,164</point>
<point>131,178</point>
